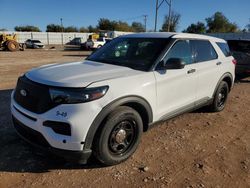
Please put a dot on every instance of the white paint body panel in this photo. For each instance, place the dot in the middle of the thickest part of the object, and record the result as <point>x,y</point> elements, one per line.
<point>175,89</point>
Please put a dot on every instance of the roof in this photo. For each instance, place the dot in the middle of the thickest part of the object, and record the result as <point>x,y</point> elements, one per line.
<point>172,35</point>
<point>150,35</point>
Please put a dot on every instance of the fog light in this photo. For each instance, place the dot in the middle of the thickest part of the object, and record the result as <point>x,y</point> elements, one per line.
<point>58,127</point>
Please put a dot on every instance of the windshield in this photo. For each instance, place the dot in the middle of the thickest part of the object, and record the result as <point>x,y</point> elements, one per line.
<point>136,53</point>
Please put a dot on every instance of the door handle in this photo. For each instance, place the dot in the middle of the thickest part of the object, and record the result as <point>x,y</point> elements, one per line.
<point>218,63</point>
<point>191,71</point>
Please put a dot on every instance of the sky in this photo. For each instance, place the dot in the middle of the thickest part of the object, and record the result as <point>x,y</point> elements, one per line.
<point>85,12</point>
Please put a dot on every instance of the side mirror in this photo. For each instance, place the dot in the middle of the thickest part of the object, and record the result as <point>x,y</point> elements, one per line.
<point>175,63</point>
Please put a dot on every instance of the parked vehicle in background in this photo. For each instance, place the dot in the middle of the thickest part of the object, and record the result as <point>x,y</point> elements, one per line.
<point>101,106</point>
<point>92,44</point>
<point>30,43</point>
<point>241,51</point>
<point>76,41</point>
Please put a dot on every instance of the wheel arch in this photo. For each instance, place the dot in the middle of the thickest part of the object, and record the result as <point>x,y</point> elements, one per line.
<point>227,77</point>
<point>137,103</point>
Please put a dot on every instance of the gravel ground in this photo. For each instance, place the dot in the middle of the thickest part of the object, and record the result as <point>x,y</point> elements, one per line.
<point>196,149</point>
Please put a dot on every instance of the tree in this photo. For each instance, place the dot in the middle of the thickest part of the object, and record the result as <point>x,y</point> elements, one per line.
<point>3,29</point>
<point>247,29</point>
<point>121,26</point>
<point>199,27</point>
<point>54,28</point>
<point>28,28</point>
<point>71,29</point>
<point>83,30</point>
<point>137,27</point>
<point>106,24</point>
<point>218,23</point>
<point>174,22</point>
<point>112,25</point>
<point>92,29</point>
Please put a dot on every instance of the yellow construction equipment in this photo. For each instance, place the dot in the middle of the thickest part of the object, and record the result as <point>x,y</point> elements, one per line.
<point>9,42</point>
<point>94,36</point>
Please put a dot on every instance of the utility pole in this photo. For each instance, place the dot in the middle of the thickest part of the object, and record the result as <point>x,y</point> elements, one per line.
<point>169,3</point>
<point>169,13</point>
<point>61,29</point>
<point>145,22</point>
<point>156,14</point>
<point>61,25</point>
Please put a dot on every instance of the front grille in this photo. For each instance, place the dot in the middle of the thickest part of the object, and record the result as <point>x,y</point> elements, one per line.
<point>29,134</point>
<point>37,98</point>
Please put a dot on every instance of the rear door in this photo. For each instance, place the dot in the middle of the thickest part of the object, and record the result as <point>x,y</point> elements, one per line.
<point>207,67</point>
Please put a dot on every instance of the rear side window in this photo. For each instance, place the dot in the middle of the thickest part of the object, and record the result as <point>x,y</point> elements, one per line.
<point>224,48</point>
<point>203,51</point>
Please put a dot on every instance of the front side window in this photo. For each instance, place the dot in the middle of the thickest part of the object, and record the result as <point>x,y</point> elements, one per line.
<point>181,49</point>
<point>203,51</point>
<point>136,53</point>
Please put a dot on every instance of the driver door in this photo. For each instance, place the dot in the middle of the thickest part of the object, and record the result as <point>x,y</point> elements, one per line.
<point>176,88</point>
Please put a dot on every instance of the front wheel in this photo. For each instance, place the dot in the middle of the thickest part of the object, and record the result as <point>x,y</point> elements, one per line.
<point>12,45</point>
<point>220,97</point>
<point>119,137</point>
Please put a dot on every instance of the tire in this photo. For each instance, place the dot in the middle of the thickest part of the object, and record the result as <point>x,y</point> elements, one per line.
<point>119,137</point>
<point>12,45</point>
<point>99,46</point>
<point>220,97</point>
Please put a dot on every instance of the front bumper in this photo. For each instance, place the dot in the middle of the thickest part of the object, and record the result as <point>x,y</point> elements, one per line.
<point>71,147</point>
<point>36,139</point>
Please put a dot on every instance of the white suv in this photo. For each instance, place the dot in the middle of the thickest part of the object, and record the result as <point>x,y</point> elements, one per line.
<point>91,44</point>
<point>101,106</point>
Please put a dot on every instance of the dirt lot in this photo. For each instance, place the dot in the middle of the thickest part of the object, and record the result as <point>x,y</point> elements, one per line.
<point>197,149</point>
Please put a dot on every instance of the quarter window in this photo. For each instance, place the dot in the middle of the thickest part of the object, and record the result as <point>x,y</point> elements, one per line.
<point>203,51</point>
<point>224,48</point>
<point>181,49</point>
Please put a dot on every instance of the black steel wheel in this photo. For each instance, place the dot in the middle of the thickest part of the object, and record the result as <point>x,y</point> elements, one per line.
<point>122,137</point>
<point>119,137</point>
<point>220,97</point>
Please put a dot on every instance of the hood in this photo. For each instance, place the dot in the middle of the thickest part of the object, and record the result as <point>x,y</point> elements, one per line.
<point>78,74</point>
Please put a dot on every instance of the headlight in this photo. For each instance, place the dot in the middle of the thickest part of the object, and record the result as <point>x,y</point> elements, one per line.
<point>72,96</point>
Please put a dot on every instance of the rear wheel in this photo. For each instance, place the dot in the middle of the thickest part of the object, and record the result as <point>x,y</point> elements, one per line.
<point>119,137</point>
<point>12,45</point>
<point>220,97</point>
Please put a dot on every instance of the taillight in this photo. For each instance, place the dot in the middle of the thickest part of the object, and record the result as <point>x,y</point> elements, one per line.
<point>234,61</point>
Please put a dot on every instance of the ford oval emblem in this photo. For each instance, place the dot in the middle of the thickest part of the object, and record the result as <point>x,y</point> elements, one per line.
<point>23,92</point>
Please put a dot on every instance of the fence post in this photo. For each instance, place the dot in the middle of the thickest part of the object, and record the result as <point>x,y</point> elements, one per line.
<point>62,38</point>
<point>48,38</point>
